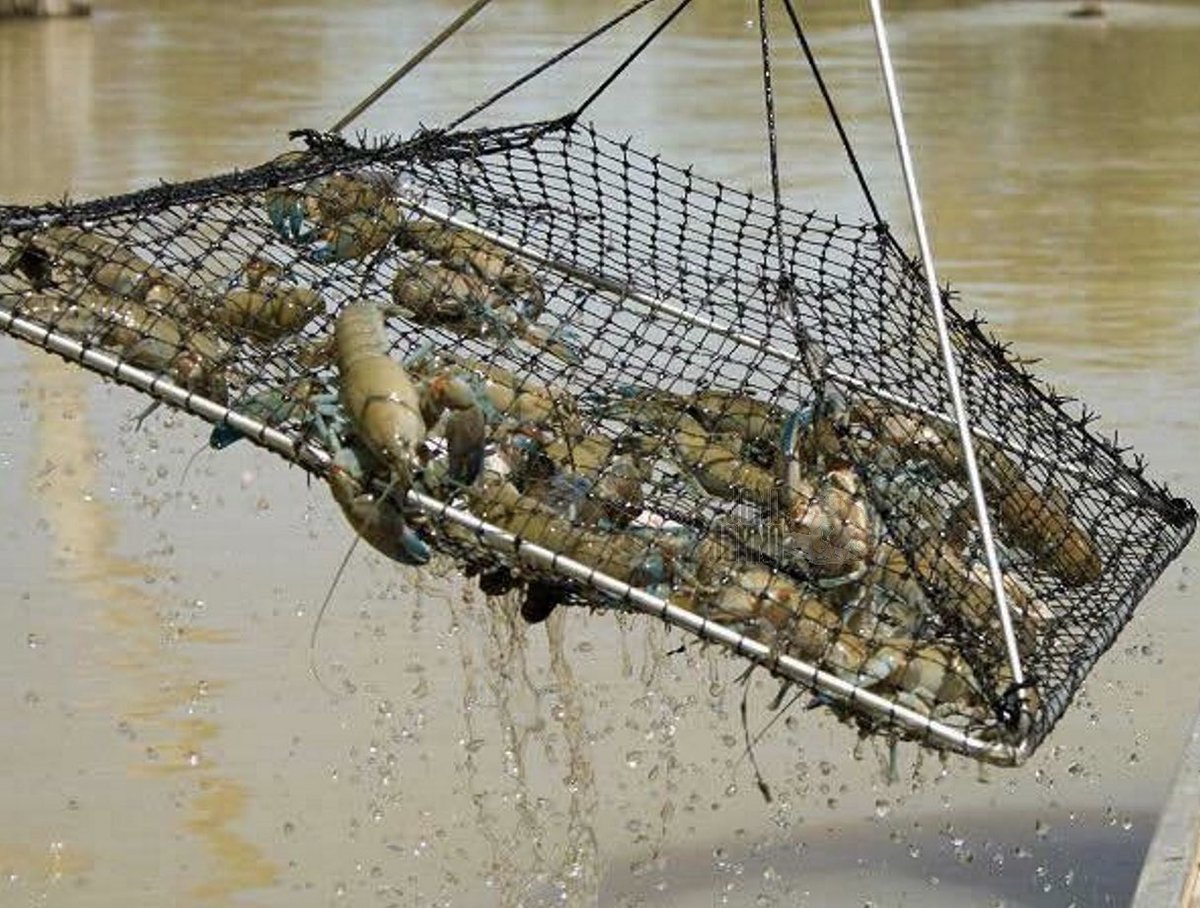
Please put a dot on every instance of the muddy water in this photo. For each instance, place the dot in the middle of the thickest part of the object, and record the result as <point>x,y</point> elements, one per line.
<point>164,740</point>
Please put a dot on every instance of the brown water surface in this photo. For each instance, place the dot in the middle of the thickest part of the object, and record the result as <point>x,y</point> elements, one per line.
<point>165,742</point>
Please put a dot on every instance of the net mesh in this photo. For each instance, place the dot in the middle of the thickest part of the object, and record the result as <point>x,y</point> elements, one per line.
<point>737,409</point>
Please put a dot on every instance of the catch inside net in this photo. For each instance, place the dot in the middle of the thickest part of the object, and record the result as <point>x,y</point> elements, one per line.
<point>583,372</point>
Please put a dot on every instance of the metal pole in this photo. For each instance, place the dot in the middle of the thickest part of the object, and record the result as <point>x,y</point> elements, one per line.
<point>939,315</point>
<point>404,70</point>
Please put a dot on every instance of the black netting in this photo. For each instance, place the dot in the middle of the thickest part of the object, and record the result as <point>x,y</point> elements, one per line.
<point>604,355</point>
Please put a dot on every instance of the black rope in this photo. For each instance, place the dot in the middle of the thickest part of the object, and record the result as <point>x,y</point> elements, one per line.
<point>547,64</point>
<point>833,114</point>
<point>633,56</point>
<point>772,138</point>
<point>786,290</point>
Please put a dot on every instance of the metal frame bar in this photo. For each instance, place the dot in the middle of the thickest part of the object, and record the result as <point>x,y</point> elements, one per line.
<point>793,669</point>
<point>161,388</point>
<point>317,460</point>
<point>661,304</point>
<point>961,418</point>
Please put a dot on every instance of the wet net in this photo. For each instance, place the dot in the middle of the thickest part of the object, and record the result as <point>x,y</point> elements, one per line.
<point>580,371</point>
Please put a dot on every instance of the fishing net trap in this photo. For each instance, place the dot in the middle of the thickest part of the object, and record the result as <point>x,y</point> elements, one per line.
<point>586,373</point>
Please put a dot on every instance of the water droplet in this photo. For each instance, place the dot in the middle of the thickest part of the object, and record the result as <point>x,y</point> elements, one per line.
<point>882,807</point>
<point>1041,829</point>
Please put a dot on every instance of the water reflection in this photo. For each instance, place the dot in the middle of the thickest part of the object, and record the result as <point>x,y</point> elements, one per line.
<point>70,489</point>
<point>1087,149</point>
<point>46,106</point>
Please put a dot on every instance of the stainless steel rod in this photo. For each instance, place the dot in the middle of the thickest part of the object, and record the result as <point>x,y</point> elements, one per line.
<point>662,305</point>
<point>318,460</point>
<point>162,388</point>
<point>787,666</point>
<point>411,64</point>
<point>947,348</point>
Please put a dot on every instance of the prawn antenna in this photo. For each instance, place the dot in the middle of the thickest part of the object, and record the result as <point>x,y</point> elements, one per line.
<point>312,639</point>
